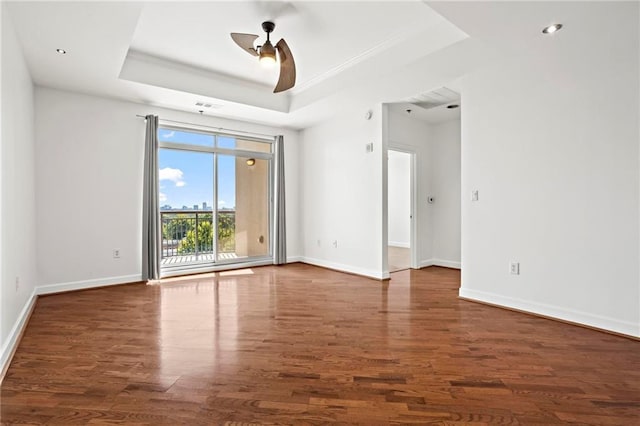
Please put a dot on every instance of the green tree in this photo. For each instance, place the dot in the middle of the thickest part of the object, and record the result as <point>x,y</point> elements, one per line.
<point>175,227</point>
<point>205,239</point>
<point>226,232</point>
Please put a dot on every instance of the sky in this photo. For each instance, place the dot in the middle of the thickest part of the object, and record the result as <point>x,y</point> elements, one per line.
<point>186,177</point>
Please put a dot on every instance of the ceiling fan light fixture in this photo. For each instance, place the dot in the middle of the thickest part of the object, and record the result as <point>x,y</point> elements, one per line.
<point>267,54</point>
<point>267,60</point>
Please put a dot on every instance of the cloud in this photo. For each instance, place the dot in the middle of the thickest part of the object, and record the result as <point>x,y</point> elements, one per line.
<point>221,203</point>
<point>169,135</point>
<point>162,197</point>
<point>173,175</point>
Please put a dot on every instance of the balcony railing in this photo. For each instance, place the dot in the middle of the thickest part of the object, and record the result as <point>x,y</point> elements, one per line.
<point>187,236</point>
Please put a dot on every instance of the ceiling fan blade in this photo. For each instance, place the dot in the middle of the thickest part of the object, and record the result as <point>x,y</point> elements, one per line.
<point>245,41</point>
<point>287,68</point>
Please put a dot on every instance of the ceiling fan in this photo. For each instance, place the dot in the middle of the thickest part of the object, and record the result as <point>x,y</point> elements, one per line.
<point>267,55</point>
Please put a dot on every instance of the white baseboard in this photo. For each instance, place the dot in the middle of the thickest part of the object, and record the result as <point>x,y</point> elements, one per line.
<point>425,263</point>
<point>399,244</point>
<point>378,275</point>
<point>86,284</point>
<point>446,263</point>
<point>294,259</point>
<point>558,312</point>
<point>439,262</point>
<point>11,344</point>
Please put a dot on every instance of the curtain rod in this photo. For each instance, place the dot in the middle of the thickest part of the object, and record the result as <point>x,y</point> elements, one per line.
<point>210,127</point>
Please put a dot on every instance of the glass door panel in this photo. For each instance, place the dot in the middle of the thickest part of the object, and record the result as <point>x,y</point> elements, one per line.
<point>226,214</point>
<point>186,200</point>
<point>243,231</point>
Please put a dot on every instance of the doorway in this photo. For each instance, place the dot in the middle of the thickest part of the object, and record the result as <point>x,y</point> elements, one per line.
<point>400,210</point>
<point>215,199</point>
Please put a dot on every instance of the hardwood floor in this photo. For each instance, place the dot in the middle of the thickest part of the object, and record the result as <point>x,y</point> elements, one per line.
<point>303,345</point>
<point>399,258</point>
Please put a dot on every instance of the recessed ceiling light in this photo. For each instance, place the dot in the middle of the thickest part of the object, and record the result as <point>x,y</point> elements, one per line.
<point>453,106</point>
<point>551,29</point>
<point>61,51</point>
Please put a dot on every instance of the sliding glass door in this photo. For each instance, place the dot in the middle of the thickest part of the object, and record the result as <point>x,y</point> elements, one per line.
<point>215,199</point>
<point>252,237</point>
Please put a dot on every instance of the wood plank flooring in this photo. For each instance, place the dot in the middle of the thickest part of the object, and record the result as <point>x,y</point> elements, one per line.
<point>399,258</point>
<point>303,345</point>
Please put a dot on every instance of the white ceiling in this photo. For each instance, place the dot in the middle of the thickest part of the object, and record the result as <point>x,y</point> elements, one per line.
<point>323,36</point>
<point>348,54</point>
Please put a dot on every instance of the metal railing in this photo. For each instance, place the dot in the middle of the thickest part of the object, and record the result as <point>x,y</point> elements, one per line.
<point>191,232</point>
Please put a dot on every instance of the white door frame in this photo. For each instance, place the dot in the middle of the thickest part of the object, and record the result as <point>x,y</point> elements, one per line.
<point>413,239</point>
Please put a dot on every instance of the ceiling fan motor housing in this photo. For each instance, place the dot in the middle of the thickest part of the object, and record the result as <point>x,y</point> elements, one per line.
<point>268,27</point>
<point>267,50</point>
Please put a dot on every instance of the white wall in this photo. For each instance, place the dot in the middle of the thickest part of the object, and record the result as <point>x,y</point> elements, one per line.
<point>341,193</point>
<point>89,185</point>
<point>17,188</point>
<point>399,196</point>
<point>550,140</point>
<point>445,180</point>
<point>344,191</point>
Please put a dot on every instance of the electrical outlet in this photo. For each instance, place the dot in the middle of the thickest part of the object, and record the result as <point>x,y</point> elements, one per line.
<point>319,244</point>
<point>514,268</point>
<point>17,283</point>
<point>335,243</point>
<point>116,253</point>
<point>474,195</point>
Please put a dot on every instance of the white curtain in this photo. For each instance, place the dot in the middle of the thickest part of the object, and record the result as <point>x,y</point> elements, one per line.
<point>150,213</point>
<point>280,246</point>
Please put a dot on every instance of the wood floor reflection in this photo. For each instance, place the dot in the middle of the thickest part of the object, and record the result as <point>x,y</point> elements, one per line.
<point>303,345</point>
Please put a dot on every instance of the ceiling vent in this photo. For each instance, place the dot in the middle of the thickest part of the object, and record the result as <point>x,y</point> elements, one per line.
<point>435,98</point>
<point>207,105</point>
